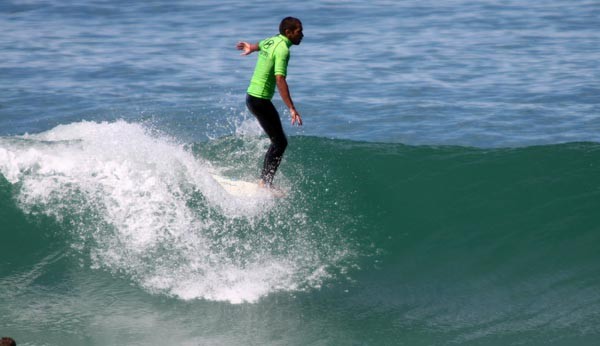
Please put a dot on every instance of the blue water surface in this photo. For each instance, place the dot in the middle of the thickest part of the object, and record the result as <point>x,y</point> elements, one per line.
<point>479,73</point>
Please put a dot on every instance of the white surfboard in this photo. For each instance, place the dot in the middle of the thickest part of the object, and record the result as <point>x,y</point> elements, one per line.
<point>240,188</point>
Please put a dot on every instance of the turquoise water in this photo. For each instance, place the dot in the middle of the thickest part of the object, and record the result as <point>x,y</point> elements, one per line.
<point>443,190</point>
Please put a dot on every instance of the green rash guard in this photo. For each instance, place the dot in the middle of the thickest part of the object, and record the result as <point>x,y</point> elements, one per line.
<point>272,60</point>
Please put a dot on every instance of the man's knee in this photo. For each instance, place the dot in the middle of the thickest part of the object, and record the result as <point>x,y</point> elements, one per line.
<point>278,146</point>
<point>281,143</point>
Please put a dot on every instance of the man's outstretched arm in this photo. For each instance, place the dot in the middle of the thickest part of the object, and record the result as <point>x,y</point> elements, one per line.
<point>247,48</point>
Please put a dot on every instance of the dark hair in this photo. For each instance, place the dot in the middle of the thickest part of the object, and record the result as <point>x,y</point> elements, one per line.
<point>289,23</point>
<point>6,341</point>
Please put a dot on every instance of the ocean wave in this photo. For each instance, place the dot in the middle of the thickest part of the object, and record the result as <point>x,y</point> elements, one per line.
<point>141,204</point>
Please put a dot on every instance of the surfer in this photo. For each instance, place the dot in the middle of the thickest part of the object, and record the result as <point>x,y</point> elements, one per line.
<point>6,341</point>
<point>271,70</point>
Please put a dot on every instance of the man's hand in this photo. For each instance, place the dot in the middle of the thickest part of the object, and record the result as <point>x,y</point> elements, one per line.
<point>296,118</point>
<point>246,47</point>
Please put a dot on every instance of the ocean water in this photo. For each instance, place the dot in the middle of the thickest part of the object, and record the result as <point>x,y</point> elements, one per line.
<point>444,189</point>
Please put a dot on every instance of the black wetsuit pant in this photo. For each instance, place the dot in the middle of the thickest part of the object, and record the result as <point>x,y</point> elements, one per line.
<point>269,120</point>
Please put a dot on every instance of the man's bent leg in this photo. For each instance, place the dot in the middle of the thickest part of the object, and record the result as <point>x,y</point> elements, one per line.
<point>269,120</point>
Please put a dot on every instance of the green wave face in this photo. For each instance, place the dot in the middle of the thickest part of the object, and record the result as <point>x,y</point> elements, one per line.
<point>450,243</point>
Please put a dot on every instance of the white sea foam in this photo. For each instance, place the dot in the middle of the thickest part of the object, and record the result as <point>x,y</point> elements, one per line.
<point>147,208</point>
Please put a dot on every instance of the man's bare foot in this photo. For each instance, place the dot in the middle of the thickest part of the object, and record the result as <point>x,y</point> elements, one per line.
<point>275,191</point>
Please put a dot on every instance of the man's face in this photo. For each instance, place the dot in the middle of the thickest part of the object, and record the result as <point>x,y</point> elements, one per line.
<point>295,35</point>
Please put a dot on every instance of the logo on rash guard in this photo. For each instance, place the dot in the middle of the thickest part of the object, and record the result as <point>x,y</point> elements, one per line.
<point>268,44</point>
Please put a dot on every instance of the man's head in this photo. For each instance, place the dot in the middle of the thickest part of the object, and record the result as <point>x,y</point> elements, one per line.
<point>291,28</point>
<point>6,341</point>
